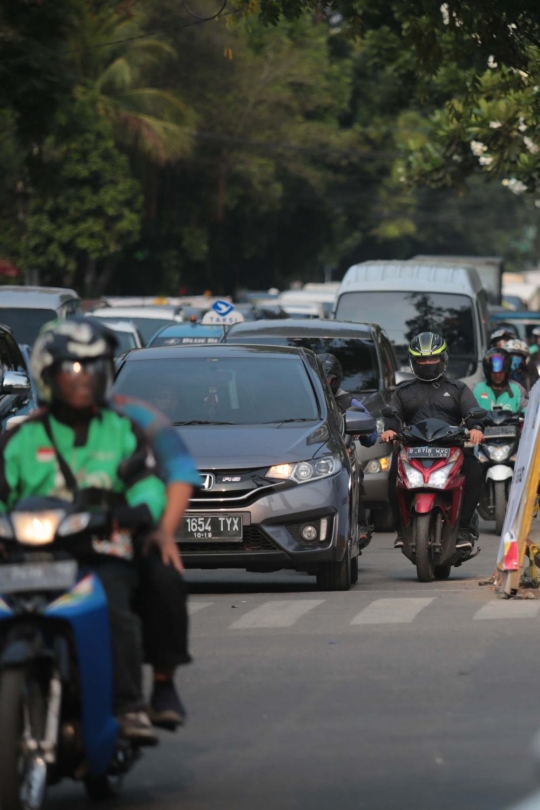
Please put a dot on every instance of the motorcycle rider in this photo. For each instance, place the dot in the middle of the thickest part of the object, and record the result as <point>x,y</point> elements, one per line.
<point>498,389</point>
<point>345,401</point>
<point>72,365</point>
<point>534,348</point>
<point>500,337</point>
<point>433,396</point>
<point>523,369</point>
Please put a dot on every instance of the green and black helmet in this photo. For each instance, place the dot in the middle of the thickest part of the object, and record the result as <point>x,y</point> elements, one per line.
<point>431,347</point>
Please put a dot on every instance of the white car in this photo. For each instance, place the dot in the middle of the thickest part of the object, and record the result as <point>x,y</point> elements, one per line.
<point>148,320</point>
<point>127,334</point>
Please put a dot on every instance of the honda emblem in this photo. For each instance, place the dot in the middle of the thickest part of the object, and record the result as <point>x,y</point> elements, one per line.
<point>208,481</point>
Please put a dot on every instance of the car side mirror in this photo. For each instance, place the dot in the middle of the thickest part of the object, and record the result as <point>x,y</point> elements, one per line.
<point>15,382</point>
<point>358,423</point>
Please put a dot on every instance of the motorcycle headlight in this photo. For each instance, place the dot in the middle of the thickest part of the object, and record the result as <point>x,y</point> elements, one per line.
<point>74,524</point>
<point>414,477</point>
<point>439,478</point>
<point>36,528</point>
<point>499,452</point>
<point>306,470</point>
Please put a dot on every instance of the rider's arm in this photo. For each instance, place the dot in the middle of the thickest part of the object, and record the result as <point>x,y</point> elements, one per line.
<point>9,467</point>
<point>391,422</point>
<point>142,484</point>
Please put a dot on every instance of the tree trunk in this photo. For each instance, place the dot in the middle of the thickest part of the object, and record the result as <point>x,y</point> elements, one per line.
<point>105,277</point>
<point>89,278</point>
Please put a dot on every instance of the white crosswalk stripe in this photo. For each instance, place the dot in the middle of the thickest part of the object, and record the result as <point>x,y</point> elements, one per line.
<point>509,609</point>
<point>392,611</point>
<point>282,613</point>
<point>194,607</point>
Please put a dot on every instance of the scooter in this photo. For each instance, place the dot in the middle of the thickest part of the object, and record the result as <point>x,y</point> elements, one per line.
<point>56,676</point>
<point>430,491</point>
<point>497,454</point>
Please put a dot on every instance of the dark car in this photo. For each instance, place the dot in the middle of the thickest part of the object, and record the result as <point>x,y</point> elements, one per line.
<point>280,490</point>
<point>370,369</point>
<point>17,396</point>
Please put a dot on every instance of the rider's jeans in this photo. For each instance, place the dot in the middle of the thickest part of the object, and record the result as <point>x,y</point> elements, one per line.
<point>472,470</point>
<point>120,581</point>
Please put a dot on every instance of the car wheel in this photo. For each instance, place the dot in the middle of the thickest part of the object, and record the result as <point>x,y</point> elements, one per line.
<point>336,576</point>
<point>354,570</point>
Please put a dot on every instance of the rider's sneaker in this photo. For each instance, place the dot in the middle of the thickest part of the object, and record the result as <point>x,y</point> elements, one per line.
<point>466,539</point>
<point>136,727</point>
<point>398,542</point>
<point>166,709</point>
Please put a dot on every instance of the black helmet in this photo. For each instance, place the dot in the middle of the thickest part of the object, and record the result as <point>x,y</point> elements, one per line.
<point>495,361</point>
<point>428,345</point>
<point>333,370</point>
<point>77,340</point>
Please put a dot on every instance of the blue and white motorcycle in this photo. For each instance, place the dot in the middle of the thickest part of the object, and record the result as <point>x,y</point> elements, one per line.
<point>56,678</point>
<point>497,453</point>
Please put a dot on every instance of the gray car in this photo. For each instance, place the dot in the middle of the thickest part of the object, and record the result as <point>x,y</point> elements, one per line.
<point>280,490</point>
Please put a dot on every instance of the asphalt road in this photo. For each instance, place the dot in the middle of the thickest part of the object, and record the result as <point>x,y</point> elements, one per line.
<point>394,695</point>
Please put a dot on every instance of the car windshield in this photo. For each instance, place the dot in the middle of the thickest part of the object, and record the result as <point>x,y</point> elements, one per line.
<point>358,357</point>
<point>26,323</point>
<point>233,390</point>
<point>146,326</point>
<point>126,341</point>
<point>403,315</point>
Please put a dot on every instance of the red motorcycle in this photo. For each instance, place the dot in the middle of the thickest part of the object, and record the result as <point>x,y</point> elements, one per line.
<point>430,492</point>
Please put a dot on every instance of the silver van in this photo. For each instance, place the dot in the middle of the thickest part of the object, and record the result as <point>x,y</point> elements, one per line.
<point>26,309</point>
<point>406,298</point>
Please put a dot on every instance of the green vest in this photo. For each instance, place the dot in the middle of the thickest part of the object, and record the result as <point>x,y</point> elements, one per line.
<point>487,397</point>
<point>28,464</point>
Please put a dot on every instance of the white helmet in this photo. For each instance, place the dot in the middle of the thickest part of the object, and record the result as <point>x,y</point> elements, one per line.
<point>517,346</point>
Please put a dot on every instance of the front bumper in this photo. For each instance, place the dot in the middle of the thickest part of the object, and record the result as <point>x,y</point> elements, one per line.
<point>271,540</point>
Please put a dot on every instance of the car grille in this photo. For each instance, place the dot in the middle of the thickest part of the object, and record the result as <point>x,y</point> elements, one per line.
<point>254,540</point>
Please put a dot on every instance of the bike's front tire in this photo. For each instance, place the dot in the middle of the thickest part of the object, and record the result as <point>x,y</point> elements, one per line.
<point>423,529</point>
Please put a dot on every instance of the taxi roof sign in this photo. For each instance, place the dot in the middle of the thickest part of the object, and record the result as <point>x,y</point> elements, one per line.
<point>222,313</point>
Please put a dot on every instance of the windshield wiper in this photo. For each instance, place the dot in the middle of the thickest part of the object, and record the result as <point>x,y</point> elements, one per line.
<point>202,422</point>
<point>284,421</point>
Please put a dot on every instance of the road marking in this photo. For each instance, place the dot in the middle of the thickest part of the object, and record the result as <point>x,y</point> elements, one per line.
<point>276,614</point>
<point>194,607</point>
<point>509,609</point>
<point>392,611</point>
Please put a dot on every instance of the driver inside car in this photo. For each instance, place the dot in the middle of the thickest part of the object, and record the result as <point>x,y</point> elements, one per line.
<point>76,431</point>
<point>433,396</point>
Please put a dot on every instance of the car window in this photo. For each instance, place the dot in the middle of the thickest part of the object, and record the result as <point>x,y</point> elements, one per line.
<point>240,390</point>
<point>403,315</point>
<point>358,356</point>
<point>26,323</point>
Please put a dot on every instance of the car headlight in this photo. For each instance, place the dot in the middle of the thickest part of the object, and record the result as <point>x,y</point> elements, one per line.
<point>377,465</point>
<point>305,470</point>
<point>499,452</point>
<point>36,528</point>
<point>439,478</point>
<point>414,477</point>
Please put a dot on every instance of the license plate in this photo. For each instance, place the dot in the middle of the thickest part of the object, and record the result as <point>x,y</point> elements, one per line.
<point>200,528</point>
<point>429,452</point>
<point>502,431</point>
<point>43,576</point>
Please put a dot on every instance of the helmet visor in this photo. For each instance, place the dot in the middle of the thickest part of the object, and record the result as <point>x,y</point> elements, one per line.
<point>497,363</point>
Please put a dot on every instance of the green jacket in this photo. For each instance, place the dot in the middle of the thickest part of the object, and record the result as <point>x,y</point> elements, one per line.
<point>28,463</point>
<point>512,398</point>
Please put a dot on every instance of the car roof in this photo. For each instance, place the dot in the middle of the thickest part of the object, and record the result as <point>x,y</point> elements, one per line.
<point>291,327</point>
<point>508,315</point>
<point>121,326</point>
<point>35,297</point>
<point>112,313</point>
<point>206,351</point>
<point>410,276</point>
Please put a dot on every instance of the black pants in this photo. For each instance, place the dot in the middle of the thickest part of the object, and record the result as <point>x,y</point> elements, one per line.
<point>162,605</point>
<point>120,581</point>
<point>472,470</point>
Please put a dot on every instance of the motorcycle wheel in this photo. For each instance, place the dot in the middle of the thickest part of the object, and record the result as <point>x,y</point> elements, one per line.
<point>101,788</point>
<point>499,496</point>
<point>23,775</point>
<point>354,570</point>
<point>424,561</point>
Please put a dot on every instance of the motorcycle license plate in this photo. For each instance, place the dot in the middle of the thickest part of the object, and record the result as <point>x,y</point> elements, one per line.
<point>42,576</point>
<point>501,432</point>
<point>429,452</point>
<point>211,528</point>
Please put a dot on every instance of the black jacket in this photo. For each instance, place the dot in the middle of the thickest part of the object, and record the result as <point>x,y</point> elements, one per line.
<point>448,400</point>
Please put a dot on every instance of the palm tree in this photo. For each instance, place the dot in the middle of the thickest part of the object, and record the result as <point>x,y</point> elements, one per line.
<point>116,59</point>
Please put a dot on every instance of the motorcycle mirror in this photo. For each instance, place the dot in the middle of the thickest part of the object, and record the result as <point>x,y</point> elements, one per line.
<point>389,412</point>
<point>359,424</point>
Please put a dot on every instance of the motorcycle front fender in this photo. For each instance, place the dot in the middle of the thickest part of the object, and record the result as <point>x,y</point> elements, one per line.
<point>499,472</point>
<point>20,651</point>
<point>424,502</point>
